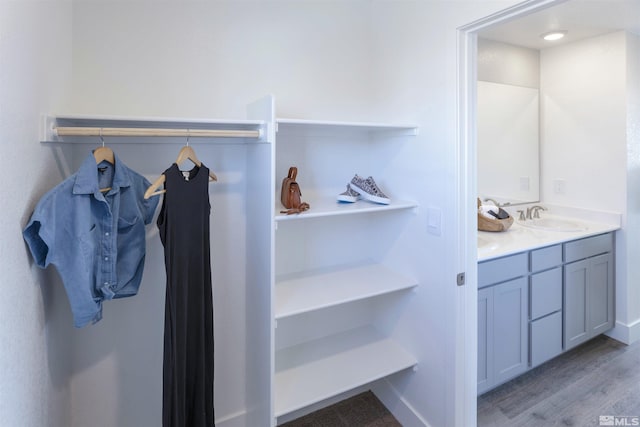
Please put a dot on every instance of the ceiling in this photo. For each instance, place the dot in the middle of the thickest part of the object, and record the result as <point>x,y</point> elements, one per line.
<point>580,18</point>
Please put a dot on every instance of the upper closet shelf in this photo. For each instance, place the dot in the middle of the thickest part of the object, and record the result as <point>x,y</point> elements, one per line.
<point>329,207</point>
<point>77,128</point>
<point>319,126</point>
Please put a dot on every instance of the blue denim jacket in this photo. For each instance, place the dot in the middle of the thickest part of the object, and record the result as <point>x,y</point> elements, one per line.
<point>96,240</point>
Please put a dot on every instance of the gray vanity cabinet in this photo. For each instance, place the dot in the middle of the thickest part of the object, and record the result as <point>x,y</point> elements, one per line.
<point>588,289</point>
<point>502,320</point>
<point>534,305</point>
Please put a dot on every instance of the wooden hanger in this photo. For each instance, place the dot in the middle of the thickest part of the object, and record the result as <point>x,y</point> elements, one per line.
<point>104,153</point>
<point>101,154</point>
<point>186,153</point>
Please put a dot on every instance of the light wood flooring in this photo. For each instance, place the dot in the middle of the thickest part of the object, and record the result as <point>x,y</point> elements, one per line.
<point>600,377</point>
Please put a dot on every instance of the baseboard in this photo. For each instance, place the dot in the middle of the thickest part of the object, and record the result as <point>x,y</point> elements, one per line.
<point>627,334</point>
<point>398,405</point>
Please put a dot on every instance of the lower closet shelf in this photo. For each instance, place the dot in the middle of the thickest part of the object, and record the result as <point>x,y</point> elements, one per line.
<point>311,372</point>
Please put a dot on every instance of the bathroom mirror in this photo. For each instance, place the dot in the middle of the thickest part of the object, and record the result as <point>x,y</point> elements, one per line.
<point>508,146</point>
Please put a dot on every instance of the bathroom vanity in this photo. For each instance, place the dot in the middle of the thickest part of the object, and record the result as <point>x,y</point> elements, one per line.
<point>541,292</point>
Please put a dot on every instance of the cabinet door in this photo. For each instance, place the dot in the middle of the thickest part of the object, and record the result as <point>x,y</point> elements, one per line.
<point>600,301</point>
<point>510,324</point>
<point>485,338</point>
<point>576,289</point>
<point>546,338</point>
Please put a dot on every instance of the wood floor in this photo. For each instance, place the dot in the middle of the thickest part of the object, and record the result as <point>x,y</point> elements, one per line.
<point>598,378</point>
<point>362,410</point>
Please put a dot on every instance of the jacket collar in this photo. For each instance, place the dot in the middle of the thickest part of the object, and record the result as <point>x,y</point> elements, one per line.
<point>86,181</point>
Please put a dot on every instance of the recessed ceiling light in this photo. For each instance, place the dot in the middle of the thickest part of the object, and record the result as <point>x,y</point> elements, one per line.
<point>553,35</point>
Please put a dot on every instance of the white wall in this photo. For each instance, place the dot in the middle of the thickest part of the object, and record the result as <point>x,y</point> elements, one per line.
<point>192,59</point>
<point>629,301</point>
<point>589,91</point>
<point>416,73</point>
<point>583,126</point>
<point>201,59</point>
<point>35,71</point>
<point>356,60</point>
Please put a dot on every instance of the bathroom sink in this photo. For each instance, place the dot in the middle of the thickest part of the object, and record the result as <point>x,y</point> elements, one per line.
<point>554,224</point>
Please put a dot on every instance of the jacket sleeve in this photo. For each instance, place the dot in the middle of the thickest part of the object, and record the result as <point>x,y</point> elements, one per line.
<point>39,234</point>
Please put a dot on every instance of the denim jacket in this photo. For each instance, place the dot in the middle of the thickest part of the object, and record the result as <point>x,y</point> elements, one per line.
<point>96,240</point>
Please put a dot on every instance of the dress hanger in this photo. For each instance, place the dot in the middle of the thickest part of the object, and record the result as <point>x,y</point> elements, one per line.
<point>186,153</point>
<point>101,154</point>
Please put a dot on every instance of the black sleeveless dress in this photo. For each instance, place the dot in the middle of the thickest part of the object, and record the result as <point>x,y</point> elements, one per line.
<point>187,399</point>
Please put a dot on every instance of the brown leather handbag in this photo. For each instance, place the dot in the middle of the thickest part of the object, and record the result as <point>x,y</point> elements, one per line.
<point>290,195</point>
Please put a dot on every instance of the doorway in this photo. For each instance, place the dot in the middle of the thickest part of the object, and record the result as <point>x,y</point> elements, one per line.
<point>512,22</point>
<point>467,155</point>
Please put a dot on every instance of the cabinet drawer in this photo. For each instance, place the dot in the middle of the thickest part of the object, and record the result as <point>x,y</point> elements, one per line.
<point>546,338</point>
<point>542,259</point>
<point>588,247</point>
<point>502,269</point>
<point>546,292</point>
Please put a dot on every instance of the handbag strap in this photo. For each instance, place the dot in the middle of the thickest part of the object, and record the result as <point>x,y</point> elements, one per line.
<point>293,172</point>
<point>304,206</point>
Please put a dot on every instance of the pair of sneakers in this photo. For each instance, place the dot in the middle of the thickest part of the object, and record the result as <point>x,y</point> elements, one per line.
<point>363,188</point>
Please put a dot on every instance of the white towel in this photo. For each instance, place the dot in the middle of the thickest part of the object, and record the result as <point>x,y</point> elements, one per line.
<point>485,209</point>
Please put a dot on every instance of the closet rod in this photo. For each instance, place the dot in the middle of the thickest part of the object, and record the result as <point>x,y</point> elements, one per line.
<point>158,132</point>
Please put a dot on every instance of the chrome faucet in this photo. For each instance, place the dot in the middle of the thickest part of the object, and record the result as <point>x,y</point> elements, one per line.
<point>492,200</point>
<point>534,211</point>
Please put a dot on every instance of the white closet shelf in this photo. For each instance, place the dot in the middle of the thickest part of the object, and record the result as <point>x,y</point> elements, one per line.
<point>117,125</point>
<point>327,207</point>
<point>311,372</point>
<point>309,291</point>
<point>299,125</point>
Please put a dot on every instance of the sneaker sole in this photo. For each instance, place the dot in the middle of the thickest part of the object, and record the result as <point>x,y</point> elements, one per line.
<point>371,197</point>
<point>347,199</point>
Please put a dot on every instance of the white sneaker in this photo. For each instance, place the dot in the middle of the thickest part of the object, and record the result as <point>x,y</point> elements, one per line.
<point>369,190</point>
<point>349,196</point>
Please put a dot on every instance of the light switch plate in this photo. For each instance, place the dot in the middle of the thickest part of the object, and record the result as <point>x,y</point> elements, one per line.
<point>559,186</point>
<point>434,221</point>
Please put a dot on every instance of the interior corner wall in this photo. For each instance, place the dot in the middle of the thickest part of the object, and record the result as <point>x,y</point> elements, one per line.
<point>35,73</point>
<point>508,64</point>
